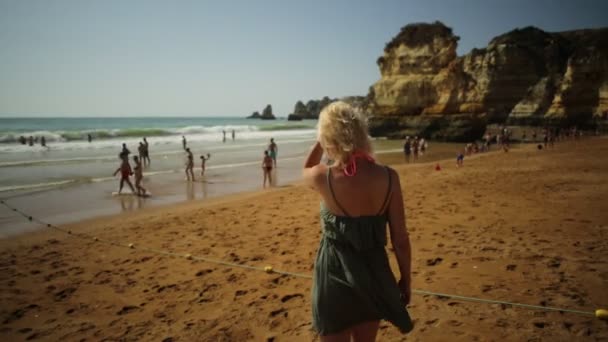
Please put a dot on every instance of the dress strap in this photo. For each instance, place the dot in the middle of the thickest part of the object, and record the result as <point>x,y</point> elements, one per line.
<point>388,192</point>
<point>333,195</point>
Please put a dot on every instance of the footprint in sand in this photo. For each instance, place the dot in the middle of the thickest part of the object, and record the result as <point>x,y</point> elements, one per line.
<point>433,262</point>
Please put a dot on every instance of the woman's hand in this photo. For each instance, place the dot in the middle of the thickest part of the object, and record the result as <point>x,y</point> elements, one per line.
<point>406,290</point>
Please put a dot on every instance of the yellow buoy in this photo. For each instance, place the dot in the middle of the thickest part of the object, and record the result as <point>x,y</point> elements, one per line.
<point>96,239</point>
<point>131,245</point>
<point>268,269</point>
<point>188,256</point>
<point>601,314</point>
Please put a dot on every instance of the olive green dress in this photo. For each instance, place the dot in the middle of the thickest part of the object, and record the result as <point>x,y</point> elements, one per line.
<point>353,282</point>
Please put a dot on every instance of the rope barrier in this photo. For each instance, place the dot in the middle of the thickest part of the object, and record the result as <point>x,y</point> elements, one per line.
<point>599,313</point>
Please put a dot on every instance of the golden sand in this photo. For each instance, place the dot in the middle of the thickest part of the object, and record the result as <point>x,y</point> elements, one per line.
<point>526,226</point>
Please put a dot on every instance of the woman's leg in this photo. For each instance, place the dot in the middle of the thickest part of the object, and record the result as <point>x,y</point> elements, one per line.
<point>365,332</point>
<point>130,185</point>
<point>343,336</point>
<point>265,175</point>
<point>269,178</point>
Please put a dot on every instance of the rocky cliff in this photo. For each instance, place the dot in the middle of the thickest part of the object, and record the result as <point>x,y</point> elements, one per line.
<point>310,110</point>
<point>526,76</point>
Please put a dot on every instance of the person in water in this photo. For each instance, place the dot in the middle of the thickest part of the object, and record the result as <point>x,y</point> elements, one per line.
<point>125,150</point>
<point>267,169</point>
<point>139,175</point>
<point>89,137</point>
<point>223,135</point>
<point>233,135</point>
<point>43,141</point>
<point>125,172</point>
<point>140,150</point>
<point>203,162</point>
<point>146,159</point>
<point>184,143</point>
<point>354,287</point>
<point>189,165</point>
<point>273,150</point>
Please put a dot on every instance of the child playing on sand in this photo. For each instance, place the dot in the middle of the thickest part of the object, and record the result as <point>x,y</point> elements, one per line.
<point>125,172</point>
<point>138,177</point>
<point>460,159</point>
<point>203,160</point>
<point>267,168</point>
<point>189,165</point>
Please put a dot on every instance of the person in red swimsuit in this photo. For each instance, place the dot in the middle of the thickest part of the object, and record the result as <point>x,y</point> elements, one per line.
<point>125,172</point>
<point>267,163</point>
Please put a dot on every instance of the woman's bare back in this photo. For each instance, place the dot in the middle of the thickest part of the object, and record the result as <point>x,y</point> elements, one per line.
<point>364,194</point>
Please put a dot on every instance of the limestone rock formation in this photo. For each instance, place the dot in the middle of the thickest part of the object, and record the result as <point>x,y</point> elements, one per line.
<point>267,113</point>
<point>254,115</point>
<point>526,76</point>
<point>310,110</point>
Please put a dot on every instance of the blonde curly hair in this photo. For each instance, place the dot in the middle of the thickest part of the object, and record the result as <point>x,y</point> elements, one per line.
<point>343,131</point>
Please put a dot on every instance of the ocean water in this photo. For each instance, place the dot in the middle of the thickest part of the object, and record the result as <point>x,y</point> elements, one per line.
<point>70,159</point>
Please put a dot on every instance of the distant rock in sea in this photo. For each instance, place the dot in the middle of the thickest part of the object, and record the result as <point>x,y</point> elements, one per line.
<point>254,115</point>
<point>266,114</point>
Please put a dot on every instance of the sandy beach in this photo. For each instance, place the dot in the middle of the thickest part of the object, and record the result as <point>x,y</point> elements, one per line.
<point>526,226</point>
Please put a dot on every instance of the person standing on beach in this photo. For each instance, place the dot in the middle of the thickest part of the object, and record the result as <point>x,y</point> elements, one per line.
<point>89,137</point>
<point>233,135</point>
<point>125,151</point>
<point>422,145</point>
<point>460,159</point>
<point>267,169</point>
<point>224,136</point>
<point>184,142</point>
<point>31,141</point>
<point>415,148</point>
<point>125,172</point>
<point>273,150</point>
<point>407,149</point>
<point>203,161</point>
<point>139,175</point>
<point>353,284</point>
<point>189,165</point>
<point>43,141</point>
<point>146,152</point>
<point>140,150</point>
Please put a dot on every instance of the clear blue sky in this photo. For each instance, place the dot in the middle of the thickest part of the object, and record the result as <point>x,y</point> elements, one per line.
<point>208,58</point>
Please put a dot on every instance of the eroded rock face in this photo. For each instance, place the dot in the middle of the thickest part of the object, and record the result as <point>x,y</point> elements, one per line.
<point>310,110</point>
<point>526,76</point>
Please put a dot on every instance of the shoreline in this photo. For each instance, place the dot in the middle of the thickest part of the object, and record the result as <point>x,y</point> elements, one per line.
<point>92,200</point>
<point>523,226</point>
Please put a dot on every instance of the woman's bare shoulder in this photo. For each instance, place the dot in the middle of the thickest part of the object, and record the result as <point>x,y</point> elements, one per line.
<point>315,176</point>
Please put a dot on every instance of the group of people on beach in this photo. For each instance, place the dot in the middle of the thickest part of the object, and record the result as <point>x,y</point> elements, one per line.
<point>126,172</point>
<point>414,147</point>
<point>269,162</point>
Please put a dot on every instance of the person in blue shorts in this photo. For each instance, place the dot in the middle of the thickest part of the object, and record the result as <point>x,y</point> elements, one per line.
<point>273,150</point>
<point>460,159</point>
